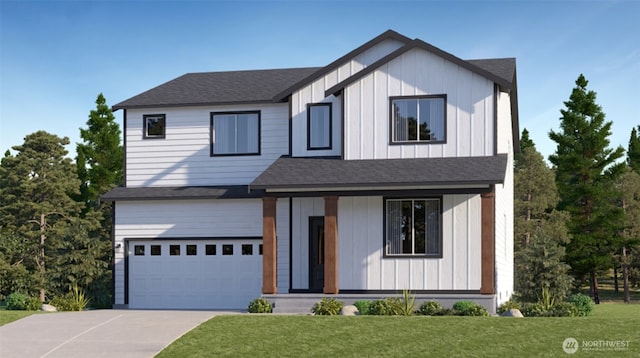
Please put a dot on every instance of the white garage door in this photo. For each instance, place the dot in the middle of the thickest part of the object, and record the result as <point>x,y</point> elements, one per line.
<point>194,274</point>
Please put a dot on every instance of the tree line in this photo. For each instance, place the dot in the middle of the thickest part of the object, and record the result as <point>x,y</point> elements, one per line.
<point>55,235</point>
<point>580,218</point>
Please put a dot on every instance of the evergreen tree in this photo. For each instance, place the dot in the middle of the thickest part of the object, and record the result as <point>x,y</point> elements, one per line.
<point>99,164</point>
<point>630,244</point>
<point>586,171</point>
<point>633,151</point>
<point>36,206</point>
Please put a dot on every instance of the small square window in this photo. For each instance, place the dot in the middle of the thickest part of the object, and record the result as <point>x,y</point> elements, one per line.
<point>156,250</point>
<point>247,249</point>
<point>260,249</point>
<point>154,125</point>
<point>227,249</point>
<point>139,250</point>
<point>192,250</point>
<point>418,119</point>
<point>174,250</point>
<point>210,250</point>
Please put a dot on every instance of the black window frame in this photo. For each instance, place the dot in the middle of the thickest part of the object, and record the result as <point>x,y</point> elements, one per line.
<point>392,141</point>
<point>145,127</point>
<point>425,255</point>
<point>322,104</point>
<point>212,152</point>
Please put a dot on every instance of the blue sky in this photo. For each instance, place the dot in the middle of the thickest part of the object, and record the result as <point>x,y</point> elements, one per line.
<point>56,56</point>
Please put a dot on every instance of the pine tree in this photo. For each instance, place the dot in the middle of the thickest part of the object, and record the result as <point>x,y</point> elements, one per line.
<point>630,242</point>
<point>633,151</point>
<point>36,186</point>
<point>586,171</point>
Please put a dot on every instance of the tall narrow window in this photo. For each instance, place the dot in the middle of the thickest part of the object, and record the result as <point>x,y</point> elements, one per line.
<point>413,227</point>
<point>418,119</point>
<point>235,133</point>
<point>319,126</point>
<point>154,125</point>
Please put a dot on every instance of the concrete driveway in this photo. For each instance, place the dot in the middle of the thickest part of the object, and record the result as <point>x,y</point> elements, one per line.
<point>100,333</point>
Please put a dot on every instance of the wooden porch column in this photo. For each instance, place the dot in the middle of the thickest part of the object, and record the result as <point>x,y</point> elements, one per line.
<point>487,286</point>
<point>330,245</point>
<point>269,283</point>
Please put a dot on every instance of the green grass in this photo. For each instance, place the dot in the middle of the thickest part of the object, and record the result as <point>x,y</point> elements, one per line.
<point>10,316</point>
<point>323,336</point>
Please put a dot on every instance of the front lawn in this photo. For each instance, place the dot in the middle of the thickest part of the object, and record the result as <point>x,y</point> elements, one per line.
<point>10,316</point>
<point>282,335</point>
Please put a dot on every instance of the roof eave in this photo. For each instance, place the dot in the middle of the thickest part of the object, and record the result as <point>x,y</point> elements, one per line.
<point>199,104</point>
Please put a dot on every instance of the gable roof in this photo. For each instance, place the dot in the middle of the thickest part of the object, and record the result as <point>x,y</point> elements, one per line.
<point>216,88</point>
<point>496,64</point>
<point>313,172</point>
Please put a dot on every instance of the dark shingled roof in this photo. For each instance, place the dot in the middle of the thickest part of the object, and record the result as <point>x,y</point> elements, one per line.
<point>177,193</point>
<point>504,68</point>
<point>215,88</point>
<point>302,173</point>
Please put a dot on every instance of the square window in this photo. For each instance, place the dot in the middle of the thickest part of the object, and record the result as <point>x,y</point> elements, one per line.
<point>247,249</point>
<point>319,126</point>
<point>138,250</point>
<point>192,250</point>
<point>235,133</point>
<point>413,227</point>
<point>154,125</point>
<point>156,250</point>
<point>260,249</point>
<point>418,119</point>
<point>174,250</point>
<point>210,250</point>
<point>227,249</point>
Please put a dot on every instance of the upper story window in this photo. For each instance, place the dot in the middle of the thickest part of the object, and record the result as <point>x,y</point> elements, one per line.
<point>413,227</point>
<point>418,119</point>
<point>235,133</point>
<point>154,125</point>
<point>318,126</point>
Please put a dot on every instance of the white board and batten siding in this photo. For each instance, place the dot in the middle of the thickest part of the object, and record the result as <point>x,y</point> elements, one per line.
<point>198,222</point>
<point>470,116</point>
<point>504,206</point>
<point>183,157</point>
<point>361,261</point>
<point>315,93</point>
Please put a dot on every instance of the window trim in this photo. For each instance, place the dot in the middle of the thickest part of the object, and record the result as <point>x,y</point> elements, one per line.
<point>413,142</point>
<point>384,229</point>
<point>212,152</point>
<point>145,128</point>
<point>321,104</point>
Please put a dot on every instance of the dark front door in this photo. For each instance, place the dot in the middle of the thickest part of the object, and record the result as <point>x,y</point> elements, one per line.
<point>316,253</point>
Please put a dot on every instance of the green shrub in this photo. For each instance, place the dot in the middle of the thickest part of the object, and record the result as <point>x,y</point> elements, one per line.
<point>328,306</point>
<point>75,300</point>
<point>430,308</point>
<point>563,309</point>
<point>533,310</point>
<point>469,308</point>
<point>260,305</point>
<point>511,304</point>
<point>362,306</point>
<point>583,303</point>
<point>18,301</point>
<point>391,306</point>
<point>408,303</point>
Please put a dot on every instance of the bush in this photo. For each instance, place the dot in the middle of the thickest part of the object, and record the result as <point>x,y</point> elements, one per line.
<point>533,310</point>
<point>391,306</point>
<point>408,303</point>
<point>75,300</point>
<point>583,303</point>
<point>563,309</point>
<point>260,305</point>
<point>469,308</point>
<point>327,307</point>
<point>511,304</point>
<point>430,308</point>
<point>362,306</point>
<point>18,301</point>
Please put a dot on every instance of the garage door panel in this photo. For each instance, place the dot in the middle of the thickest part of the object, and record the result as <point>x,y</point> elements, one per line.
<point>214,275</point>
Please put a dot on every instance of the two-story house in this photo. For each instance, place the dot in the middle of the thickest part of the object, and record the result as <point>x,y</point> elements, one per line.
<point>388,169</point>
